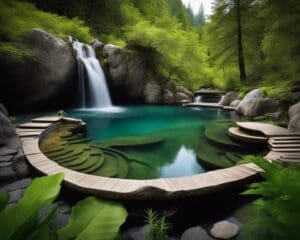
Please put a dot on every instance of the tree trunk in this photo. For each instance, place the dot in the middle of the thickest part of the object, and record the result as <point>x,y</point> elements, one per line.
<point>240,42</point>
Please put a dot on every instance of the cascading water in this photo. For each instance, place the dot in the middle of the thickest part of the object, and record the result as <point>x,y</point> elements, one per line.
<point>198,99</point>
<point>97,88</point>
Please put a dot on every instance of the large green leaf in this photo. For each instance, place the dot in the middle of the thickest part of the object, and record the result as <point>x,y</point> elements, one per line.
<point>4,197</point>
<point>19,221</point>
<point>94,219</point>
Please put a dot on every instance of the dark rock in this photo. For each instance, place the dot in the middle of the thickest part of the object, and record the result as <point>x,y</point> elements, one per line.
<point>20,165</point>
<point>168,97</point>
<point>63,207</point>
<point>3,110</point>
<point>117,62</point>
<point>21,184</point>
<point>235,103</point>
<point>255,104</point>
<point>5,164</point>
<point>180,96</point>
<point>186,92</point>
<point>15,196</point>
<point>294,117</point>
<point>49,72</point>
<point>171,86</point>
<point>60,220</point>
<point>195,233</point>
<point>228,98</point>
<point>276,116</point>
<point>224,230</point>
<point>7,173</point>
<point>140,233</point>
<point>7,158</point>
<point>8,151</point>
<point>152,93</point>
<point>96,44</point>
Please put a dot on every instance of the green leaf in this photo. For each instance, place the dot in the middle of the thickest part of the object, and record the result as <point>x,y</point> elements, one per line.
<point>21,219</point>
<point>4,197</point>
<point>94,219</point>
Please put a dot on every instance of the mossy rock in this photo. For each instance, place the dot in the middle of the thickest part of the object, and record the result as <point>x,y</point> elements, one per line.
<point>123,168</point>
<point>211,157</point>
<point>57,154</point>
<point>234,157</point>
<point>70,154</point>
<point>108,149</point>
<point>53,150</point>
<point>139,171</point>
<point>217,134</point>
<point>96,166</point>
<point>80,160</point>
<point>80,140</point>
<point>90,162</point>
<point>109,167</point>
<point>131,141</point>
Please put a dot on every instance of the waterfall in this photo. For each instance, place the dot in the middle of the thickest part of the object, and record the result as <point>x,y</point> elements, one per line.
<point>221,100</point>
<point>95,84</point>
<point>198,99</point>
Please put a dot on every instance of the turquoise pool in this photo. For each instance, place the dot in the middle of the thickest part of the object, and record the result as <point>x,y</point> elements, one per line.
<point>182,131</point>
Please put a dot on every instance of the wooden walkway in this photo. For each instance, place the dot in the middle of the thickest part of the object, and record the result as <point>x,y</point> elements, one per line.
<point>164,188</point>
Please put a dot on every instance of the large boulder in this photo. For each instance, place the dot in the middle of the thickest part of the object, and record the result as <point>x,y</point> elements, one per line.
<point>128,72</point>
<point>12,160</point>
<point>44,79</point>
<point>168,97</point>
<point>152,93</point>
<point>228,98</point>
<point>180,96</point>
<point>235,103</point>
<point>117,62</point>
<point>186,91</point>
<point>255,104</point>
<point>294,117</point>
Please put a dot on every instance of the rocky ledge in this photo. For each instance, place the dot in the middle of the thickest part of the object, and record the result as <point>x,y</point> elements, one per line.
<point>128,73</point>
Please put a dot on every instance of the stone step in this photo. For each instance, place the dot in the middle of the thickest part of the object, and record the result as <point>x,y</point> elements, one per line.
<point>285,149</point>
<point>293,141</point>
<point>28,134</point>
<point>50,119</point>
<point>31,125</point>
<point>237,133</point>
<point>285,138</point>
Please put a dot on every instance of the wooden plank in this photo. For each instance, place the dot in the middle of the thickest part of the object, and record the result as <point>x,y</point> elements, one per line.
<point>235,132</point>
<point>32,125</point>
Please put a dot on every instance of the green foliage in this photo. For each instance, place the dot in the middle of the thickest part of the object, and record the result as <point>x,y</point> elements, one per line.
<point>61,113</point>
<point>91,218</point>
<point>4,197</point>
<point>174,52</point>
<point>12,119</point>
<point>278,204</point>
<point>22,219</point>
<point>94,219</point>
<point>159,227</point>
<point>18,18</point>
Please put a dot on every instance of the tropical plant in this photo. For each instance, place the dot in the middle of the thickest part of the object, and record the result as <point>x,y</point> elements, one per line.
<point>61,113</point>
<point>159,227</point>
<point>91,218</point>
<point>278,204</point>
<point>13,119</point>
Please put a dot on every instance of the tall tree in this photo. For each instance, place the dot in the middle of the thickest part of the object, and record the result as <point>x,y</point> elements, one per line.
<point>237,6</point>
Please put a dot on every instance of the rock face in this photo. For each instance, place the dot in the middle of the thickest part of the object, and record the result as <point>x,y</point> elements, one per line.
<point>12,159</point>
<point>255,103</point>
<point>195,233</point>
<point>128,73</point>
<point>235,103</point>
<point>224,230</point>
<point>229,98</point>
<point>45,78</point>
<point>294,116</point>
<point>152,93</point>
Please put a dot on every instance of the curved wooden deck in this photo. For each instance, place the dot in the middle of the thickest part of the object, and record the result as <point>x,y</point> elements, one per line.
<point>236,133</point>
<point>165,188</point>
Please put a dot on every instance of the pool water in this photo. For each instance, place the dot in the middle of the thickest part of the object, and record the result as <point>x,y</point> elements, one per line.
<point>182,131</point>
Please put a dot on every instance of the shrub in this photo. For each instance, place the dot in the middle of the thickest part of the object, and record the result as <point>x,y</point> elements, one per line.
<point>159,227</point>
<point>278,204</point>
